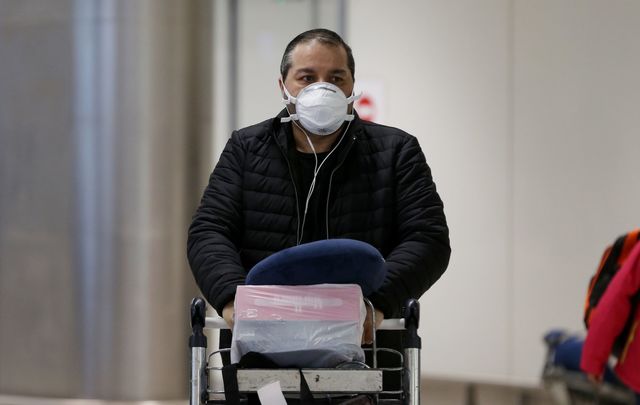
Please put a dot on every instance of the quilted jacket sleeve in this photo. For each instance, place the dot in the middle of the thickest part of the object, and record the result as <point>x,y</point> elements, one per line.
<point>423,251</point>
<point>611,315</point>
<point>215,231</point>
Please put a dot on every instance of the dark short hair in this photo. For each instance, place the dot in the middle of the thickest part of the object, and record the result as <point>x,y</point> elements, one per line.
<point>322,35</point>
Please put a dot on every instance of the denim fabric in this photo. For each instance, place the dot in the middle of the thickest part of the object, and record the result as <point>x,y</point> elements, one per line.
<point>568,354</point>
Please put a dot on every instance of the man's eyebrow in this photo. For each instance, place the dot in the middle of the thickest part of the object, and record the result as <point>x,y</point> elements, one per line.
<point>339,72</point>
<point>311,70</point>
<point>304,70</point>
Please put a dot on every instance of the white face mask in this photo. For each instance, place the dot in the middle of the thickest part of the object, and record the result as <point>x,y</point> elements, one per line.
<point>321,108</point>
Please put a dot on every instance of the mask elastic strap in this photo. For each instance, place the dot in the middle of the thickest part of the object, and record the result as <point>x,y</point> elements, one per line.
<point>350,99</point>
<point>354,97</point>
<point>290,99</point>
<point>291,117</point>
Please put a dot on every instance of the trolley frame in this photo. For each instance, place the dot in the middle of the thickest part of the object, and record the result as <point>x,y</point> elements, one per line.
<point>339,381</point>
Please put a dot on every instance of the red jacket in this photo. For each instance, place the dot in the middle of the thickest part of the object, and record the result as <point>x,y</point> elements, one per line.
<point>613,311</point>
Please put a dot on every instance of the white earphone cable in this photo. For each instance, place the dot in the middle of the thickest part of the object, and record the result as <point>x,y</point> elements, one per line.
<point>315,172</point>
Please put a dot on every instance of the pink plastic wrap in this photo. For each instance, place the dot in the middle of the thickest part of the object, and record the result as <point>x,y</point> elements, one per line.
<point>299,326</point>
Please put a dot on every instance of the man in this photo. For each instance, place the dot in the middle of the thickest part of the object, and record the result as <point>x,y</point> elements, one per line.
<point>316,171</point>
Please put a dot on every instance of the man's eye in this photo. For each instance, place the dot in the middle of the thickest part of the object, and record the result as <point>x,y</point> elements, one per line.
<point>337,79</point>
<point>307,79</point>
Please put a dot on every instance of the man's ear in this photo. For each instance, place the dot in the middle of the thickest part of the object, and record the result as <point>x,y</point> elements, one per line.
<point>281,85</point>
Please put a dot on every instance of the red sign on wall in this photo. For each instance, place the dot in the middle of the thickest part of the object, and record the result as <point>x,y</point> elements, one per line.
<point>369,105</point>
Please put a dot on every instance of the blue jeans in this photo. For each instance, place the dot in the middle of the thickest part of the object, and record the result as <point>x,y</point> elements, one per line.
<point>568,354</point>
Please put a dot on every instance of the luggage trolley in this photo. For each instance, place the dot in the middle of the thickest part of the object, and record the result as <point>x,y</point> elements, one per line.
<point>339,381</point>
<point>567,385</point>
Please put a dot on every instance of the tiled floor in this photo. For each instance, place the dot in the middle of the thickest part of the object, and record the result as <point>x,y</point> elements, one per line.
<point>433,393</point>
<point>460,393</point>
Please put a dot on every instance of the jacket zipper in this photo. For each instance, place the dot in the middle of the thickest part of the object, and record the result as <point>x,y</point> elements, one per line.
<point>295,191</point>
<point>346,152</point>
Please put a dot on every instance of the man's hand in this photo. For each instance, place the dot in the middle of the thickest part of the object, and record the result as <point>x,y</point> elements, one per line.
<point>367,336</point>
<point>227,313</point>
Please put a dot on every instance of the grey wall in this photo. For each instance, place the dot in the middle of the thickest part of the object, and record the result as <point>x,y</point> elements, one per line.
<point>527,112</point>
<point>576,143</point>
<point>104,112</point>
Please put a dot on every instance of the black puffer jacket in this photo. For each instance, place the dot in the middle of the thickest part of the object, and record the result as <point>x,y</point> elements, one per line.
<point>380,192</point>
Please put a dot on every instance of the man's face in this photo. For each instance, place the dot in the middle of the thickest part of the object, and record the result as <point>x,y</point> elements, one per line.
<point>316,62</point>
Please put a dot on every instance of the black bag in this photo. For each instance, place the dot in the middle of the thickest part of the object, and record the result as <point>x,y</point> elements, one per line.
<point>612,259</point>
<point>258,360</point>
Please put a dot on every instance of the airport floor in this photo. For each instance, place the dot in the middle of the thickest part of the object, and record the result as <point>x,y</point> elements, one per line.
<point>433,393</point>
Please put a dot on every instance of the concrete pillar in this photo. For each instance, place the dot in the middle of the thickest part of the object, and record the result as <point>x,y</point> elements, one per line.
<point>104,121</point>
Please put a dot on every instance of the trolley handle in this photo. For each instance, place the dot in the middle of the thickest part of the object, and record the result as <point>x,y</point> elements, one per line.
<point>198,310</point>
<point>411,322</point>
<point>215,322</point>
